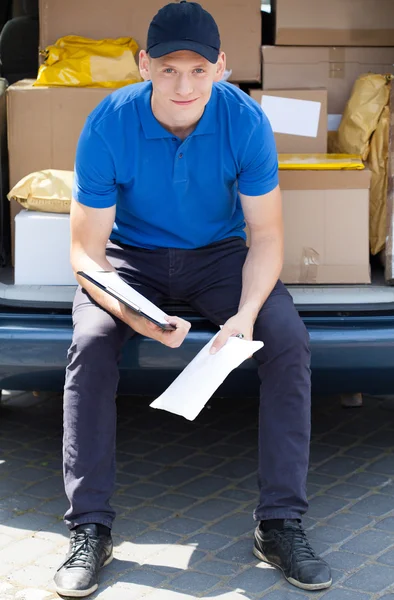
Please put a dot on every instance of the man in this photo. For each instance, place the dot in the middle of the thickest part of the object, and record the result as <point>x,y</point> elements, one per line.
<point>169,170</point>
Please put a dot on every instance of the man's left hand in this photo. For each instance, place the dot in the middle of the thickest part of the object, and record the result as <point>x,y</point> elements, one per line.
<point>241,323</point>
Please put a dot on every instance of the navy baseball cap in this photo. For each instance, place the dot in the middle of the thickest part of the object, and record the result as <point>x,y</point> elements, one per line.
<point>184,26</point>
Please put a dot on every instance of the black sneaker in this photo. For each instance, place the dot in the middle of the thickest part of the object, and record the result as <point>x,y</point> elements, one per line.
<point>289,550</point>
<point>89,550</point>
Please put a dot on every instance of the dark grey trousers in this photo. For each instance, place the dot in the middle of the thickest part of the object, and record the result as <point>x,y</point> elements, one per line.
<point>209,279</point>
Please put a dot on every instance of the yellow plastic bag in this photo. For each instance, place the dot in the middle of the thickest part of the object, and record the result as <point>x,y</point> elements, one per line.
<point>362,113</point>
<point>83,62</point>
<point>377,162</point>
<point>49,190</point>
<point>320,162</point>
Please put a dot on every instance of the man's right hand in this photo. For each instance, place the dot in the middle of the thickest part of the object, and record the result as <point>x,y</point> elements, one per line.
<point>172,339</point>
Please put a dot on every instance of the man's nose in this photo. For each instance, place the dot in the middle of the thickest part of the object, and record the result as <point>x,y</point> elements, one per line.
<point>184,85</point>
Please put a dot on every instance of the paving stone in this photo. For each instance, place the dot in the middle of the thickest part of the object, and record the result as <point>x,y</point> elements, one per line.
<point>146,490</point>
<point>340,466</point>
<point>345,561</point>
<point>332,535</point>
<point>138,447</point>
<point>369,480</point>
<point>389,596</point>
<point>236,525</point>
<point>381,439</point>
<point>175,476</point>
<point>141,468</point>
<point>319,479</point>
<point>173,501</point>
<point>10,486</point>
<point>385,466</point>
<point>194,583</point>
<point>203,486</point>
<point>320,452</point>
<point>369,543</point>
<point>182,526</point>
<point>204,461</point>
<point>169,454</point>
<point>30,474</point>
<point>143,577</point>
<point>350,520</point>
<point>209,542</point>
<point>255,580</point>
<point>29,548</point>
<point>363,452</point>
<point>239,495</point>
<point>200,439</point>
<point>229,450</point>
<point>372,578</point>
<point>129,528</point>
<point>32,575</point>
<point>210,510</point>
<point>387,558</point>
<point>324,506</point>
<point>150,514</point>
<point>386,524</point>
<point>343,594</point>
<point>237,468</point>
<point>218,567</point>
<point>48,488</point>
<point>239,552</point>
<point>175,558</point>
<point>285,594</point>
<point>347,490</point>
<point>374,505</point>
<point>250,483</point>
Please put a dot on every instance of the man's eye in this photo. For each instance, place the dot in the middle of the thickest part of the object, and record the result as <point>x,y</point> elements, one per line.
<point>199,70</point>
<point>168,70</point>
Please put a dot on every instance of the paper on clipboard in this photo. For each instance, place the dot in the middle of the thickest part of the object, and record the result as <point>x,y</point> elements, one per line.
<point>192,389</point>
<point>112,281</point>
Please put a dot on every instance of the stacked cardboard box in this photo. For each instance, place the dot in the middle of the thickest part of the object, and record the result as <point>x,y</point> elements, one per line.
<point>320,44</point>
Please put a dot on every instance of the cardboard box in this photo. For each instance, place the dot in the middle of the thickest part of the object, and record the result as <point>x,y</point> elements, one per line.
<point>42,250</point>
<point>314,141</point>
<point>335,69</point>
<point>334,23</point>
<point>239,23</point>
<point>326,224</point>
<point>43,126</point>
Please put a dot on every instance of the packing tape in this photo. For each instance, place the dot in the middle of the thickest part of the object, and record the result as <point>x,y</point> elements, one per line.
<point>310,262</point>
<point>336,63</point>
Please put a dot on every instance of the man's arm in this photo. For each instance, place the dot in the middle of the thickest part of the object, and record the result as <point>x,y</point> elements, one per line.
<point>263,264</point>
<point>263,215</point>
<point>90,230</point>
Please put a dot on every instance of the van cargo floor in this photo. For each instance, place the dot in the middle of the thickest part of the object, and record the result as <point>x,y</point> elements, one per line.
<point>307,297</point>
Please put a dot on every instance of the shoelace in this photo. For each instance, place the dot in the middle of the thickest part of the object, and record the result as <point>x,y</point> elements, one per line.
<point>295,536</point>
<point>83,545</point>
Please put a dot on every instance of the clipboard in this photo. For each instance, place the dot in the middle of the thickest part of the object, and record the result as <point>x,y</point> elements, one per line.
<point>115,286</point>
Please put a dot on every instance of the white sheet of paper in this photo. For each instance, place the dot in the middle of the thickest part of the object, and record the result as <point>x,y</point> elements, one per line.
<point>116,283</point>
<point>291,116</point>
<point>192,389</point>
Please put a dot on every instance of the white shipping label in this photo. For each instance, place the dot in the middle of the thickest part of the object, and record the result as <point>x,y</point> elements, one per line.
<point>292,117</point>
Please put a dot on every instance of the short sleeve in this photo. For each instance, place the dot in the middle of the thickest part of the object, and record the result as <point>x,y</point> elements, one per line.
<point>94,180</point>
<point>259,164</point>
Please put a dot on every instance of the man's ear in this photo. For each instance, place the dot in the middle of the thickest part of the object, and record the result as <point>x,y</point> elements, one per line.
<point>220,66</point>
<point>144,65</point>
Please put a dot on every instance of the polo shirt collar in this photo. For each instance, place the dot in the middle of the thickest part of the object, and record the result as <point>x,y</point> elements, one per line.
<point>154,130</point>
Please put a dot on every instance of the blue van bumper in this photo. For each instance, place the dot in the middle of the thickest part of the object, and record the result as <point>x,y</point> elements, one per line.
<point>349,354</point>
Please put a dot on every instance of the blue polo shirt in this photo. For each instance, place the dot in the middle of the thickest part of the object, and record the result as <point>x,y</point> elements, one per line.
<point>168,192</point>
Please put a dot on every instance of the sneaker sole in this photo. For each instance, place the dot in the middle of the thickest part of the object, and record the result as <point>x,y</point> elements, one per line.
<point>299,584</point>
<point>82,593</point>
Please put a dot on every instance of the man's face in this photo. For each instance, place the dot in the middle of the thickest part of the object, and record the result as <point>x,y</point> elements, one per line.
<point>182,83</point>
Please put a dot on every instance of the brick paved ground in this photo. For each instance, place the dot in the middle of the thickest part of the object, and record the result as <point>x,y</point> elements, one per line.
<point>185,495</point>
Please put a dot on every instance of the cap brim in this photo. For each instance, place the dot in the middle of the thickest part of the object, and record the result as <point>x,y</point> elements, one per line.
<point>211,54</point>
